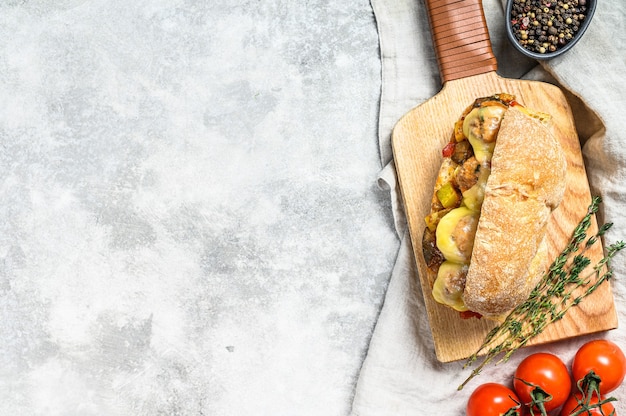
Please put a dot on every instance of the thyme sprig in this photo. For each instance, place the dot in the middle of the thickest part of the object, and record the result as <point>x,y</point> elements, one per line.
<point>553,296</point>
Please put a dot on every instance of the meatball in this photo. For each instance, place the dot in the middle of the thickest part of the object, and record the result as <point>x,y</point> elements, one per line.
<point>467,174</point>
<point>464,234</point>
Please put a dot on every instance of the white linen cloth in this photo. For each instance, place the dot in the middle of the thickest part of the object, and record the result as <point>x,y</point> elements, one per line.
<point>401,375</point>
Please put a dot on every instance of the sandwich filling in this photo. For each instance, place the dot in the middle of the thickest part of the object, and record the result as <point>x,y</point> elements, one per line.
<point>451,225</point>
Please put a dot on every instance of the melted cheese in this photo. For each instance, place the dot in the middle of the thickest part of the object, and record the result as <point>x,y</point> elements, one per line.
<point>455,234</point>
<point>449,285</point>
<point>481,127</point>
<point>473,197</point>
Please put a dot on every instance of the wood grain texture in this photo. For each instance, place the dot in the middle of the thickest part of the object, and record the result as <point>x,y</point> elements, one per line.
<point>417,140</point>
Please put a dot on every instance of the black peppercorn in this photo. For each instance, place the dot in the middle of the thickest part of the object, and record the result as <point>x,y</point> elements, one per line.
<point>552,23</point>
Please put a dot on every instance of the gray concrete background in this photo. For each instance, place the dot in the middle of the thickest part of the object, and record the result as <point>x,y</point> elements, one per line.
<point>189,216</point>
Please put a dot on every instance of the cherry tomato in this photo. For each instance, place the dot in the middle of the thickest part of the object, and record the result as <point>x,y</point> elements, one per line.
<point>493,399</point>
<point>605,359</point>
<point>571,406</point>
<point>542,380</point>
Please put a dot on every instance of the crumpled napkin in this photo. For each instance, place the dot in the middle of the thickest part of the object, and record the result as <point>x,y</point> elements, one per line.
<point>400,374</point>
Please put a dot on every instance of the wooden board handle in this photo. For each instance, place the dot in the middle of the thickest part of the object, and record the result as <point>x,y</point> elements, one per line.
<point>461,38</point>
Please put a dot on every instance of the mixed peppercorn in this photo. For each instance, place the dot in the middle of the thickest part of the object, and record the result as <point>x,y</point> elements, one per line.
<point>544,26</point>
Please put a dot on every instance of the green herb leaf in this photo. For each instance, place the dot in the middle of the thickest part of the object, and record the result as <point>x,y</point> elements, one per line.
<point>553,296</point>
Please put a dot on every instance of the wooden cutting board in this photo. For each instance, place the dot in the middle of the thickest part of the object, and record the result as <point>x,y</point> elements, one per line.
<point>468,71</point>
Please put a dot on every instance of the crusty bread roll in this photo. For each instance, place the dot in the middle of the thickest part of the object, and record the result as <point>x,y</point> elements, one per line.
<point>526,184</point>
<point>485,241</point>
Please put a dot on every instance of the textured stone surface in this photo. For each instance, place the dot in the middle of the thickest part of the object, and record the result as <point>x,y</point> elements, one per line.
<point>189,216</point>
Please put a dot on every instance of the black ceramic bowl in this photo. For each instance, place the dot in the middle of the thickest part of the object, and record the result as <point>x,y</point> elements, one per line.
<point>514,24</point>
